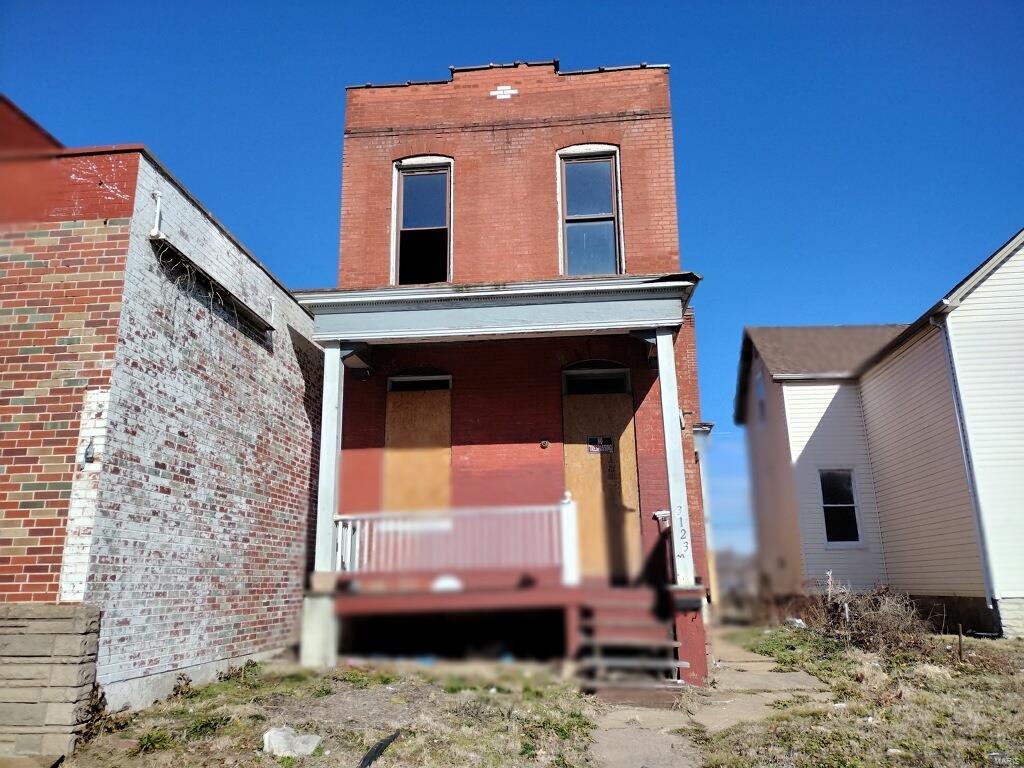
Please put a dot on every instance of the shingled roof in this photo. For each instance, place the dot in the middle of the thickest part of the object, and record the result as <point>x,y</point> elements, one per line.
<point>810,351</point>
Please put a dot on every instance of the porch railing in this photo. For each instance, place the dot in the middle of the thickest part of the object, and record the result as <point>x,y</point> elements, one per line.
<point>461,539</point>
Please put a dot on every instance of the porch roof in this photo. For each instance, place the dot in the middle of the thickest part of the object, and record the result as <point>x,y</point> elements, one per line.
<point>562,307</point>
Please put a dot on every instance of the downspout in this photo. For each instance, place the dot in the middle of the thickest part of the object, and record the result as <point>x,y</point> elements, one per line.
<point>941,321</point>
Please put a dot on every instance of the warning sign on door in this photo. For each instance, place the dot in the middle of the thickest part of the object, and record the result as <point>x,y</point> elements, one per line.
<point>600,445</point>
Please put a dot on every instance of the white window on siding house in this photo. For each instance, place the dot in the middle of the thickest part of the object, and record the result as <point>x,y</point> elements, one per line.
<point>839,506</point>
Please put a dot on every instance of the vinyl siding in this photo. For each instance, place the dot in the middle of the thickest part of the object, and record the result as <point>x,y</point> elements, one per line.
<point>780,560</point>
<point>924,503</point>
<point>987,332</point>
<point>826,431</point>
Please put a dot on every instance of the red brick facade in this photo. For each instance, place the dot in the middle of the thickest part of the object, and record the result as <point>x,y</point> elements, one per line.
<point>505,218</point>
<point>505,226</point>
<point>60,299</point>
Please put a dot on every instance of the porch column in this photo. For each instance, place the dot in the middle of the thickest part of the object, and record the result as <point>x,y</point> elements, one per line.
<point>672,420</point>
<point>319,643</point>
<point>330,455</point>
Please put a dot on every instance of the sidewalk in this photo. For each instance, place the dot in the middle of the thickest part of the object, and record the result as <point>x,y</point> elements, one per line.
<point>744,687</point>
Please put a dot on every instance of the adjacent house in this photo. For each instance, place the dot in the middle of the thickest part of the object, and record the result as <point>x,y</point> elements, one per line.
<point>159,432</point>
<point>893,454</point>
<point>510,386</point>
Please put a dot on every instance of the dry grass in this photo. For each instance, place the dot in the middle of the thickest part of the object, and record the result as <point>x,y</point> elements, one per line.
<point>513,717</point>
<point>901,697</point>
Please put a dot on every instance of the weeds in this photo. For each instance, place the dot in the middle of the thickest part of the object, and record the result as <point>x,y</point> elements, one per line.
<point>152,741</point>
<point>364,678</point>
<point>201,726</point>
<point>182,687</point>
<point>248,674</point>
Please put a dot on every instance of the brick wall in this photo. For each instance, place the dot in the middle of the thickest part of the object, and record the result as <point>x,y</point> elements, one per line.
<point>198,547</point>
<point>60,294</point>
<point>506,399</point>
<point>506,220</point>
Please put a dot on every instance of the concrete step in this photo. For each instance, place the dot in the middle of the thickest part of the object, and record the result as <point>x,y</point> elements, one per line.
<point>621,641</point>
<point>631,663</point>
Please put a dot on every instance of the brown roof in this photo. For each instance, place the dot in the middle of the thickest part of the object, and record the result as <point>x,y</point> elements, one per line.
<point>832,350</point>
<point>812,351</point>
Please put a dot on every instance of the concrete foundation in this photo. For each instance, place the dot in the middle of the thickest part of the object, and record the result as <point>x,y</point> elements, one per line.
<point>320,632</point>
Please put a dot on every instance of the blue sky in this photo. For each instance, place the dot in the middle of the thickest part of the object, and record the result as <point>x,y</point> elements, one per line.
<point>836,162</point>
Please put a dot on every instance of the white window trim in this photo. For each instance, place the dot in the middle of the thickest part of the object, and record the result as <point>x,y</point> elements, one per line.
<point>838,545</point>
<point>426,377</point>
<point>585,150</point>
<point>411,163</point>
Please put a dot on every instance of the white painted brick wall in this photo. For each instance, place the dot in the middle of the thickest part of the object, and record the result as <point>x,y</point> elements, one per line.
<point>200,534</point>
<point>92,443</point>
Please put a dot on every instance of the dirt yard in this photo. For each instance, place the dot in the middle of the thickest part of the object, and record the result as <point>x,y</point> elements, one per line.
<point>514,717</point>
<point>925,708</point>
<point>922,709</point>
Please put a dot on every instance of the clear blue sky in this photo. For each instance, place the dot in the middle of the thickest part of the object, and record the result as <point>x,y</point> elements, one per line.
<point>837,162</point>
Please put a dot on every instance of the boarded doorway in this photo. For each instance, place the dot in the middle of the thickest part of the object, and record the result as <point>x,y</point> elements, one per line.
<point>418,443</point>
<point>600,470</point>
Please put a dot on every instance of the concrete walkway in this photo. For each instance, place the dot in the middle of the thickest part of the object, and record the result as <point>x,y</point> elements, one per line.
<point>744,689</point>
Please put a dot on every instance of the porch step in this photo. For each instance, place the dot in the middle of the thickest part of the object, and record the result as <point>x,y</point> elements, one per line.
<point>638,693</point>
<point>628,642</point>
<point>609,663</point>
<point>629,685</point>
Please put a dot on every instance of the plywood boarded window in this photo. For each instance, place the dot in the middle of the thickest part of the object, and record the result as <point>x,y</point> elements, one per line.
<point>418,443</point>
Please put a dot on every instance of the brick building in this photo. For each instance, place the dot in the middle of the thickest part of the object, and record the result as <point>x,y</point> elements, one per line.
<point>159,427</point>
<point>510,379</point>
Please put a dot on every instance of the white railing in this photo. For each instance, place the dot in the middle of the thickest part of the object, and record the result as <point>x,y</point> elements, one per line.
<point>461,539</point>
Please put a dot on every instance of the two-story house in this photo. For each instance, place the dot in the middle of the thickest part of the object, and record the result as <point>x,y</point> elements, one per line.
<point>892,454</point>
<point>510,380</point>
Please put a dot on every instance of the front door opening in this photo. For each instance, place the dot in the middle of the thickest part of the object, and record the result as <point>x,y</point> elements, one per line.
<point>600,470</point>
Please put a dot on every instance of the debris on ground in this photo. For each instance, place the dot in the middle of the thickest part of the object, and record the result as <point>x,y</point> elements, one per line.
<point>285,742</point>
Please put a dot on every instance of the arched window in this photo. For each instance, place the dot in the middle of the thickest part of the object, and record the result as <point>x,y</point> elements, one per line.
<point>595,377</point>
<point>422,220</point>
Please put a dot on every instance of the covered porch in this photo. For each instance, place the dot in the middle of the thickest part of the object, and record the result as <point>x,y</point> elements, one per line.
<point>491,448</point>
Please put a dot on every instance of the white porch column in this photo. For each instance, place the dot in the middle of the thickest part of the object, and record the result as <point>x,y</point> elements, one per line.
<point>330,457</point>
<point>672,419</point>
<point>319,641</point>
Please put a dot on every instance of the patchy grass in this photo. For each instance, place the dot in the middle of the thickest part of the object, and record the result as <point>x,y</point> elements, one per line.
<point>512,716</point>
<point>907,705</point>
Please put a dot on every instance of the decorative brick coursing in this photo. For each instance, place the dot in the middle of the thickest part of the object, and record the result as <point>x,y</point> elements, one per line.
<point>60,299</point>
<point>198,551</point>
<point>47,673</point>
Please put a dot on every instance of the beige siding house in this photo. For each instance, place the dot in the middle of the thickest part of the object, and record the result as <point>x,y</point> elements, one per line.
<point>894,454</point>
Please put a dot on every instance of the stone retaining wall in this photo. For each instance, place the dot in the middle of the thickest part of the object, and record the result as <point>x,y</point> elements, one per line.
<point>47,672</point>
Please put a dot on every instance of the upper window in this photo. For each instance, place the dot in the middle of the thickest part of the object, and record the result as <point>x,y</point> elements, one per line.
<point>838,505</point>
<point>590,215</point>
<point>424,222</point>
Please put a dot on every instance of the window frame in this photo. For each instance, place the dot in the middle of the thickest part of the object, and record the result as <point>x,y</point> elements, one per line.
<point>611,372</point>
<point>411,166</point>
<point>857,543</point>
<point>584,153</point>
